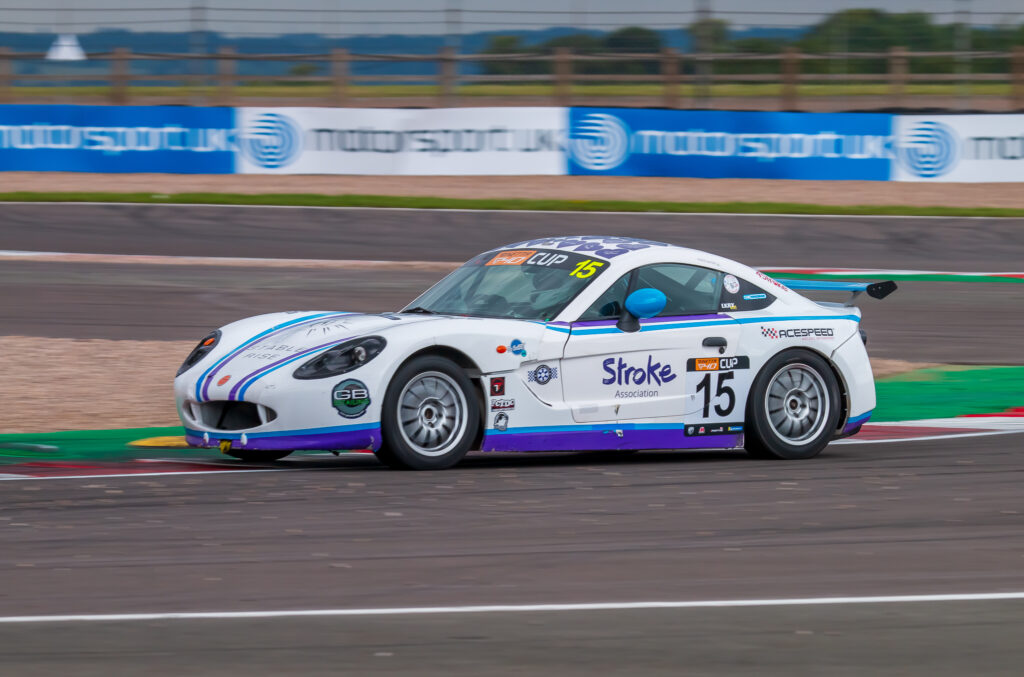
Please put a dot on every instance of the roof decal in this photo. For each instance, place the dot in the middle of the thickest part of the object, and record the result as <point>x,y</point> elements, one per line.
<point>605,246</point>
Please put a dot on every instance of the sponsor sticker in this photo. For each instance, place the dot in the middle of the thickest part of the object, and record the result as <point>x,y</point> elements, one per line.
<point>514,257</point>
<point>622,373</point>
<point>732,285</point>
<point>717,363</point>
<point>517,347</point>
<point>728,306</point>
<point>542,374</point>
<point>809,333</point>
<point>546,259</point>
<point>503,404</point>
<point>351,398</point>
<point>497,386</point>
<point>714,429</point>
<point>501,421</point>
<point>754,297</point>
<point>772,280</point>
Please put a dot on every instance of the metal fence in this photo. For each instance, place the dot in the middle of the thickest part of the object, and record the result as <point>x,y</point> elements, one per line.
<point>787,81</point>
<point>965,55</point>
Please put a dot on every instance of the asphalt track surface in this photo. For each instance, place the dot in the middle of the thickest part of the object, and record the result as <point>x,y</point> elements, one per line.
<point>941,322</point>
<point>903,518</point>
<point>878,519</point>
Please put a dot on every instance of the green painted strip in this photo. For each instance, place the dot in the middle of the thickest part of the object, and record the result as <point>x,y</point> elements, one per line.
<point>949,391</point>
<point>95,445</point>
<point>315,200</point>
<point>906,277</point>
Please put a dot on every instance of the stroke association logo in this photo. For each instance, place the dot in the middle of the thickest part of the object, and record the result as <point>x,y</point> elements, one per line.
<point>599,142</point>
<point>929,149</point>
<point>271,140</point>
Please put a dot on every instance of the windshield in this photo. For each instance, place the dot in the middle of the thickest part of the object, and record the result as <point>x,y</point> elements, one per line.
<point>522,284</point>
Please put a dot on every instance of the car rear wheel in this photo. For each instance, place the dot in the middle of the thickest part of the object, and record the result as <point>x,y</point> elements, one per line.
<point>793,407</point>
<point>258,455</point>
<point>430,416</point>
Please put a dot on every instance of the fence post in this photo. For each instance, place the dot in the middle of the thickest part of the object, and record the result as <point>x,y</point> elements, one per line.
<point>6,71</point>
<point>563,76</point>
<point>339,73</point>
<point>1017,74</point>
<point>449,75</point>
<point>670,74</point>
<point>790,78</point>
<point>119,67</point>
<point>897,75</point>
<point>225,75</point>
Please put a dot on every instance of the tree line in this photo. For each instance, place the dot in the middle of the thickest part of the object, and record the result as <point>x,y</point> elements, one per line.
<point>853,30</point>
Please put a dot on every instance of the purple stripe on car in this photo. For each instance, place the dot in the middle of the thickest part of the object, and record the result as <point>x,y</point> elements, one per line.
<point>344,440</point>
<point>854,424</point>
<point>288,326</point>
<point>594,440</point>
<point>268,367</point>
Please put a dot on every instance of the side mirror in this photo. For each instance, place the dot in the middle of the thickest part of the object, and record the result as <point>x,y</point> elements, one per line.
<point>641,304</point>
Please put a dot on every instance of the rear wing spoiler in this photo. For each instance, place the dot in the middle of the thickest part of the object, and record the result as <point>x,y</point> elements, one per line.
<point>876,290</point>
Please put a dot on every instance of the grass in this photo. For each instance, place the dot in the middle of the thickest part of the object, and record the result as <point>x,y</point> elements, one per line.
<point>316,90</point>
<point>316,200</point>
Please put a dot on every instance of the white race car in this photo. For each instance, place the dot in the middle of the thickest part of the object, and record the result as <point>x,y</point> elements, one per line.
<point>555,344</point>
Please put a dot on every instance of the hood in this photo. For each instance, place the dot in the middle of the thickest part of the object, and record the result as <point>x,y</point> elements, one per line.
<point>259,345</point>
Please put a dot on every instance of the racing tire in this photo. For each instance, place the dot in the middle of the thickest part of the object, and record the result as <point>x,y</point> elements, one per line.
<point>793,408</point>
<point>258,455</point>
<point>430,415</point>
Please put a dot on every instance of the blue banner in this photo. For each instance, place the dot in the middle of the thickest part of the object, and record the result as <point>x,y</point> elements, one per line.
<point>723,144</point>
<point>114,139</point>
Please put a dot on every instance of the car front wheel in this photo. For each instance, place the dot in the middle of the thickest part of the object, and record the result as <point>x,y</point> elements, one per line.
<point>430,416</point>
<point>793,407</point>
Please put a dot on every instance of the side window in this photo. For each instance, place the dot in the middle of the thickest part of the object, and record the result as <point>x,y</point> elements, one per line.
<point>738,294</point>
<point>690,289</point>
<point>609,305</point>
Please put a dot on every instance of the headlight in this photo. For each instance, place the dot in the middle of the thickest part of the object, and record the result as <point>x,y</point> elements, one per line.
<point>200,351</point>
<point>342,358</point>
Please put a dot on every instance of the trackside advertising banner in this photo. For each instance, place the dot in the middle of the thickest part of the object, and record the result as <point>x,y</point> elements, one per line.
<point>446,141</point>
<point>506,141</point>
<point>722,144</point>
<point>171,139</point>
<point>988,148</point>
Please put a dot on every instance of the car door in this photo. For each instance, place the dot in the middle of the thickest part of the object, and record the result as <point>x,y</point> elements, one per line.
<point>615,375</point>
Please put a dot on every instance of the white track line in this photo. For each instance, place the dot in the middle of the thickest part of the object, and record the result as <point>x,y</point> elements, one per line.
<point>854,440</point>
<point>514,608</point>
<point>519,211</point>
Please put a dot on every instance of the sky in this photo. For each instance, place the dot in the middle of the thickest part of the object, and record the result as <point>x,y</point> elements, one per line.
<point>375,17</point>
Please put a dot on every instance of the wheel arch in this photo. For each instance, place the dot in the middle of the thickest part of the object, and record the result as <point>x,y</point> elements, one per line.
<point>468,365</point>
<point>844,391</point>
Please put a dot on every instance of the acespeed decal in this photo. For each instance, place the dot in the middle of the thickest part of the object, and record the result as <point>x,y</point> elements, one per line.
<point>798,332</point>
<point>203,383</point>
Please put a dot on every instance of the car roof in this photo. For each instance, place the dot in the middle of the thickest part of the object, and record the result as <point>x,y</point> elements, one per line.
<point>605,246</point>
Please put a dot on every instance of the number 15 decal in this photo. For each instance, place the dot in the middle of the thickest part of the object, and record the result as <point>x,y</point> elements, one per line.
<point>721,390</point>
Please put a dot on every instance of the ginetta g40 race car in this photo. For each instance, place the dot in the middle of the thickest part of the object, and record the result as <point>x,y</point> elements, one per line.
<point>555,344</point>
